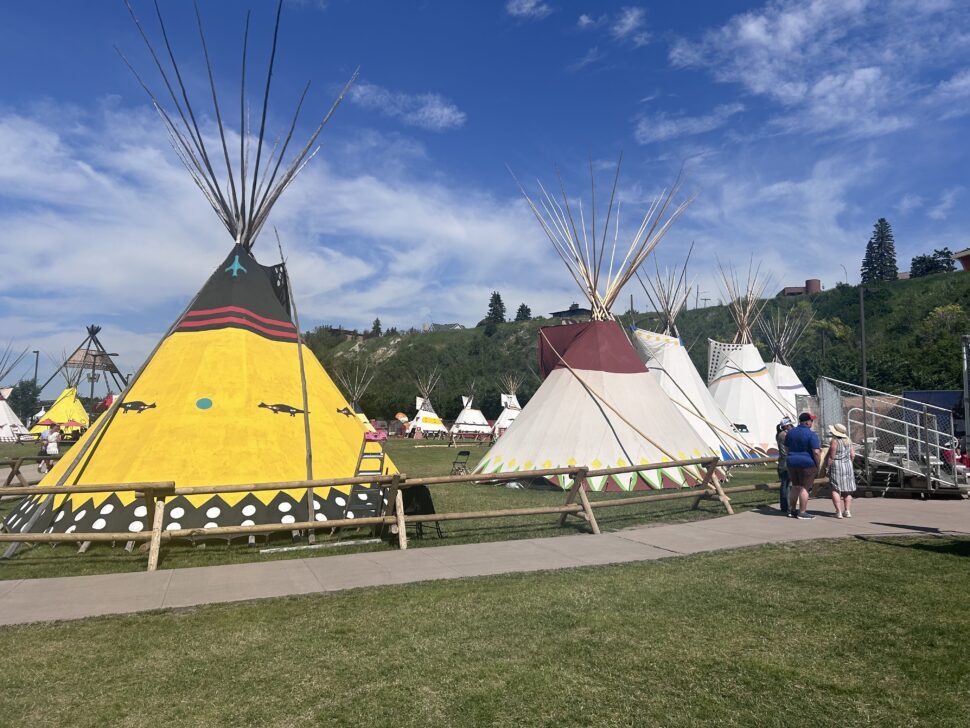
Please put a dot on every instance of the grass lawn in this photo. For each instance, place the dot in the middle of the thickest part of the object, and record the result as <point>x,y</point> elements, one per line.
<point>843,633</point>
<point>414,458</point>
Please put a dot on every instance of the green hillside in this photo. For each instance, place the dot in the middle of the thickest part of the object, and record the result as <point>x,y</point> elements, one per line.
<point>913,333</point>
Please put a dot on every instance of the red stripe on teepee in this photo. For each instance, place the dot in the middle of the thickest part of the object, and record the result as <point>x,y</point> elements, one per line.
<point>227,320</point>
<point>245,312</point>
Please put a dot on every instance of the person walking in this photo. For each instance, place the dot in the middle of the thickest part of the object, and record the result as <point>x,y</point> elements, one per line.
<point>53,438</point>
<point>781,432</point>
<point>841,475</point>
<point>804,456</point>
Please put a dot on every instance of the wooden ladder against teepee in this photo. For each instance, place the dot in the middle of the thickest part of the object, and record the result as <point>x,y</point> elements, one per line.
<point>366,500</point>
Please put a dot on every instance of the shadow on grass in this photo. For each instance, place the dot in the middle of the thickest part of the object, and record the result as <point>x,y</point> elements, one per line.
<point>939,544</point>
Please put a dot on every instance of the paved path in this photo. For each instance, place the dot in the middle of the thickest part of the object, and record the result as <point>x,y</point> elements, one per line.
<point>39,600</point>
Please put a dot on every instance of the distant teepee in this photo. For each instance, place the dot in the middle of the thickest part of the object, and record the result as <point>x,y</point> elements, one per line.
<point>470,421</point>
<point>667,358</point>
<point>737,376</point>
<point>11,428</point>
<point>510,403</point>
<point>597,404</point>
<point>782,334</point>
<point>426,422</point>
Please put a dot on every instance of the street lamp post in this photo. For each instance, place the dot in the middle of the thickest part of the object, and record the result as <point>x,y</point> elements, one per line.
<point>36,364</point>
<point>865,379</point>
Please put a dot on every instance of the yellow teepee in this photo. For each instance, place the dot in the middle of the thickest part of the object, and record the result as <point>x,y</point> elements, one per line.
<point>229,396</point>
<point>65,408</point>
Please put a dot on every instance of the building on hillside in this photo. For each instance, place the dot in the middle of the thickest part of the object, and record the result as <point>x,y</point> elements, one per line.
<point>573,312</point>
<point>431,328</point>
<point>811,287</point>
<point>963,258</point>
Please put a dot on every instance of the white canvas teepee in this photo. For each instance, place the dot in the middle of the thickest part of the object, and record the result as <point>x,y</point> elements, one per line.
<point>426,422</point>
<point>783,334</point>
<point>597,404</point>
<point>667,358</point>
<point>737,376</point>
<point>11,428</point>
<point>510,403</point>
<point>470,421</point>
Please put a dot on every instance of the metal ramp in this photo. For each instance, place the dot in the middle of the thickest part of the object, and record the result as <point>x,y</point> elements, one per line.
<point>902,445</point>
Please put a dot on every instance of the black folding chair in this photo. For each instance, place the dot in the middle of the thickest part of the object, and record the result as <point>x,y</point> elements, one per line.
<point>418,502</point>
<point>460,465</point>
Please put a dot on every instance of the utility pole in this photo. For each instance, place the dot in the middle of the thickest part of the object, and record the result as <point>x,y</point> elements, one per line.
<point>966,386</point>
<point>705,300</point>
<point>865,379</point>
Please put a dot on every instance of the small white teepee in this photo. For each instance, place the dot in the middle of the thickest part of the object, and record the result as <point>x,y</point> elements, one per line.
<point>510,403</point>
<point>426,422</point>
<point>597,404</point>
<point>667,358</point>
<point>783,335</point>
<point>470,421</point>
<point>737,376</point>
<point>11,428</point>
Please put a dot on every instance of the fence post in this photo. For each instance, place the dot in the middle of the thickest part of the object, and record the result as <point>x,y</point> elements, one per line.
<point>705,485</point>
<point>158,517</point>
<point>402,536</point>
<point>587,508</point>
<point>579,477</point>
<point>15,465</point>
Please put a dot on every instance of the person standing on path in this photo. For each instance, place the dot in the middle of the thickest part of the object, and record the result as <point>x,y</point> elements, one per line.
<point>804,456</point>
<point>783,491</point>
<point>841,476</point>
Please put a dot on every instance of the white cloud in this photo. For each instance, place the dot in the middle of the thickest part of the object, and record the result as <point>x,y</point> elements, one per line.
<point>948,199</point>
<point>534,9</point>
<point>593,55</point>
<point>851,66</point>
<point>426,110</point>
<point>105,227</point>
<point>910,202</point>
<point>588,21</point>
<point>663,127</point>
<point>628,26</point>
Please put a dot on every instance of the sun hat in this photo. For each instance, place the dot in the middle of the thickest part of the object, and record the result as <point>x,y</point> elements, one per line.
<point>838,430</point>
<point>806,417</point>
<point>785,422</point>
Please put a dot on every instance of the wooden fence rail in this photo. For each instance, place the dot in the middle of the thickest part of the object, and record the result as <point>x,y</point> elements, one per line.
<point>393,516</point>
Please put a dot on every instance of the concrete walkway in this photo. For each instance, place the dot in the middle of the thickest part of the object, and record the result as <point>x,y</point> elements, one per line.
<point>41,600</point>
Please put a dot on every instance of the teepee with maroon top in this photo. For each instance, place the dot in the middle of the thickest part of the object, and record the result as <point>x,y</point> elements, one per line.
<point>598,405</point>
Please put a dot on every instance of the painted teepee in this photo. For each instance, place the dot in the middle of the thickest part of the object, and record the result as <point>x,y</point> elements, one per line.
<point>597,404</point>
<point>11,428</point>
<point>470,421</point>
<point>737,376</point>
<point>355,378</point>
<point>510,403</point>
<point>783,333</point>
<point>667,358</point>
<point>230,395</point>
<point>426,422</point>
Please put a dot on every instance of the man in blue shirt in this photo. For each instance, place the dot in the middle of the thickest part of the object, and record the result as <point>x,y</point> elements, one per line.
<point>804,455</point>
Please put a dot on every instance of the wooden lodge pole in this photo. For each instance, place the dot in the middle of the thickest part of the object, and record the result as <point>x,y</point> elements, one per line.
<point>402,536</point>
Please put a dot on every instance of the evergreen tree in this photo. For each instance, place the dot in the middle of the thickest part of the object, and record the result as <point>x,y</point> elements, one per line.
<point>496,309</point>
<point>940,261</point>
<point>375,329</point>
<point>879,262</point>
<point>524,313</point>
<point>24,399</point>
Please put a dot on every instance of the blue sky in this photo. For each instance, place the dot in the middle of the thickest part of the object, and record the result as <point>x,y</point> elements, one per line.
<point>799,123</point>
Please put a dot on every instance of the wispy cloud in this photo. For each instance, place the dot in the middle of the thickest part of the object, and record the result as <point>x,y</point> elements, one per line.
<point>909,203</point>
<point>588,21</point>
<point>948,199</point>
<point>593,55</point>
<point>629,26</point>
<point>663,127</point>
<point>847,66</point>
<point>425,110</point>
<point>531,9</point>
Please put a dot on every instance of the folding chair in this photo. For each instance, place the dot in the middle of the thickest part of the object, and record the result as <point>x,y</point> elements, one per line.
<point>460,465</point>
<point>418,502</point>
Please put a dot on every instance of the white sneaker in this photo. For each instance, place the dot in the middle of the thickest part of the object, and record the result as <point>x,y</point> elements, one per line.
<point>838,515</point>
<point>848,514</point>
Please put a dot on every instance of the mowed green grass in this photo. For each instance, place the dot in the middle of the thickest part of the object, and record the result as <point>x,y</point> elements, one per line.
<point>840,633</point>
<point>415,458</point>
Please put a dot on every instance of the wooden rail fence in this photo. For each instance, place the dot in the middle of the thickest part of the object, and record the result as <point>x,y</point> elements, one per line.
<point>392,516</point>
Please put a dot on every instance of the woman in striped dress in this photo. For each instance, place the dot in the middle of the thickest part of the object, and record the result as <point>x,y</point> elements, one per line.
<point>841,475</point>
